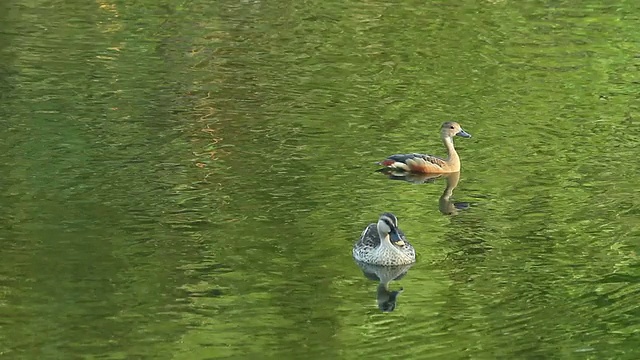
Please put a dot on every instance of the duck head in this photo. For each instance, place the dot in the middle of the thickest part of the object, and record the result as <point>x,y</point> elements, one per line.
<point>388,225</point>
<point>451,129</point>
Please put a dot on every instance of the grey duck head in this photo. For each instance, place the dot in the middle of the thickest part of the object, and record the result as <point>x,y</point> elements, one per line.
<point>388,225</point>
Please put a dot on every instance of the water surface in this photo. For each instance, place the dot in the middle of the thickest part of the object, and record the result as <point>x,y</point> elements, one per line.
<point>185,180</point>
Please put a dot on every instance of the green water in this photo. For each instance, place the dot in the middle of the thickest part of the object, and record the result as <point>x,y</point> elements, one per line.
<point>185,179</point>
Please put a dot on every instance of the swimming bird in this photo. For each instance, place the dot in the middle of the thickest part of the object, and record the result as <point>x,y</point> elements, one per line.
<point>429,164</point>
<point>384,244</point>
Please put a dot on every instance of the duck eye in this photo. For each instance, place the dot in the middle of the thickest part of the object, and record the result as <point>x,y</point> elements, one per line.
<point>451,127</point>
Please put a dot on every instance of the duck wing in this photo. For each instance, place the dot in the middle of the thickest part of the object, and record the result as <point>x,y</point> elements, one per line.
<point>413,162</point>
<point>369,238</point>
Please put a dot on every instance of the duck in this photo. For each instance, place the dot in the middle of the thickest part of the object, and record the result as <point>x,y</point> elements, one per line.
<point>383,243</point>
<point>429,164</point>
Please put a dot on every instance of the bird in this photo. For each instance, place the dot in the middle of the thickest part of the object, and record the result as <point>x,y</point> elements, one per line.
<point>382,243</point>
<point>429,164</point>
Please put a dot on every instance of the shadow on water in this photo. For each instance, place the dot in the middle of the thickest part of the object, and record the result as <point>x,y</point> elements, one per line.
<point>386,298</point>
<point>445,204</point>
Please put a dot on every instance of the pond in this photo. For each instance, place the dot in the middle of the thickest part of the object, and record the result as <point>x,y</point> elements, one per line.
<point>186,179</point>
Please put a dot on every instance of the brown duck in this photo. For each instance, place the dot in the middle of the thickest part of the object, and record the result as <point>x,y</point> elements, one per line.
<point>429,164</point>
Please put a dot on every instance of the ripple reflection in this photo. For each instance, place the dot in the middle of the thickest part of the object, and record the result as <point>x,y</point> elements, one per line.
<point>386,298</point>
<point>445,204</point>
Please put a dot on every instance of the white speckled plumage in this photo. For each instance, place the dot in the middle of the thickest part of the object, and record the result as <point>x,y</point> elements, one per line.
<point>376,247</point>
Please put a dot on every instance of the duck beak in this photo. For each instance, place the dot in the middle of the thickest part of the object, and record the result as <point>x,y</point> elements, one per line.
<point>463,134</point>
<point>395,237</point>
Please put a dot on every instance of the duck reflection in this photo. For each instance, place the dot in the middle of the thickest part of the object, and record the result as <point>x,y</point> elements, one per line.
<point>387,298</point>
<point>445,204</point>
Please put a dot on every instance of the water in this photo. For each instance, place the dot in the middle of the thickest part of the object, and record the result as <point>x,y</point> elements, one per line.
<point>185,180</point>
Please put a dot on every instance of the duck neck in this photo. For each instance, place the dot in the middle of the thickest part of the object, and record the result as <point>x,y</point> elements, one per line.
<point>384,240</point>
<point>452,155</point>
